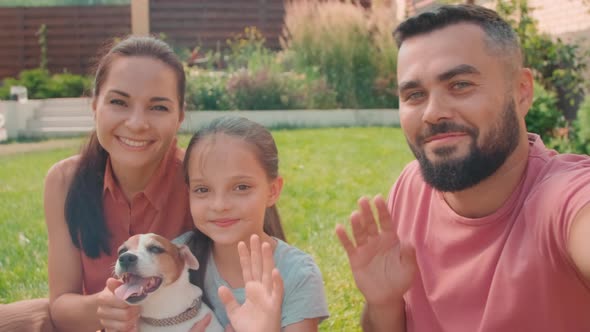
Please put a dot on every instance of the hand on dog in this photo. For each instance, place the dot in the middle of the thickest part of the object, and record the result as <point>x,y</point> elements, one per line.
<point>382,267</point>
<point>264,290</point>
<point>115,314</point>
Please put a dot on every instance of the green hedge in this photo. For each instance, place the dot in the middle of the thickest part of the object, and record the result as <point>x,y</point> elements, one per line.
<point>544,116</point>
<point>41,84</point>
<point>263,89</point>
<point>578,138</point>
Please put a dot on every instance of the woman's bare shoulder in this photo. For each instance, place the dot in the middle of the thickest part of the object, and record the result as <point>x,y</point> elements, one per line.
<point>62,172</point>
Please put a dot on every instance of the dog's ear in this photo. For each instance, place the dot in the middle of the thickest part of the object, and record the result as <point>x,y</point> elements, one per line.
<point>190,259</point>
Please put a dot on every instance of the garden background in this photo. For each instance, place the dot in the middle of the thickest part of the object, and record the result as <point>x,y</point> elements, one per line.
<point>330,55</point>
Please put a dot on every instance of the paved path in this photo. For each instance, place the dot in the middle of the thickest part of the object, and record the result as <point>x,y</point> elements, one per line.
<point>13,148</point>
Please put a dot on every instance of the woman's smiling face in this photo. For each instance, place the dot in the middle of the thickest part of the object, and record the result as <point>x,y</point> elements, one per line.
<point>137,112</point>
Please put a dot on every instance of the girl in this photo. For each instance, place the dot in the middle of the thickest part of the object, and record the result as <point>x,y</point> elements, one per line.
<point>127,180</point>
<point>231,168</point>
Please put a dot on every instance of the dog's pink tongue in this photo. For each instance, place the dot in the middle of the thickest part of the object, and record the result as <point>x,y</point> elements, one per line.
<point>134,286</point>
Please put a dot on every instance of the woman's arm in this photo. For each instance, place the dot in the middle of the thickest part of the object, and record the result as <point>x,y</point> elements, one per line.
<point>70,310</point>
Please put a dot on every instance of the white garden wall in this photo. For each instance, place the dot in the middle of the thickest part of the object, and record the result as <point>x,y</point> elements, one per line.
<point>73,116</point>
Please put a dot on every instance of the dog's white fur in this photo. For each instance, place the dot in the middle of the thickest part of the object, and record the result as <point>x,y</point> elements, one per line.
<point>175,294</point>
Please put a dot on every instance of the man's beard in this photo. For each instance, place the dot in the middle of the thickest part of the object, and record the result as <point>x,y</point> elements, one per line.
<point>456,174</point>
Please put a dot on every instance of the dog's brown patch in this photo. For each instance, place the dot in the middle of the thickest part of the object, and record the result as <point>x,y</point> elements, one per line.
<point>132,243</point>
<point>170,262</point>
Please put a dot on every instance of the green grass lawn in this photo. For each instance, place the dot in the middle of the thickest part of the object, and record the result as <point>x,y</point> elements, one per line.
<point>325,171</point>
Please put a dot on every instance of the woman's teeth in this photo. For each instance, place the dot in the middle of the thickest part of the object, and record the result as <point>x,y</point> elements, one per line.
<point>133,143</point>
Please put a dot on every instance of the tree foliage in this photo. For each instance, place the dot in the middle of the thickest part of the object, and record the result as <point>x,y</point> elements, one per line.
<point>557,65</point>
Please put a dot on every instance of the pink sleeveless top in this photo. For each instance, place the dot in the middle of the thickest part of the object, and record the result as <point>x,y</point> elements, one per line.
<point>509,271</point>
<point>162,208</point>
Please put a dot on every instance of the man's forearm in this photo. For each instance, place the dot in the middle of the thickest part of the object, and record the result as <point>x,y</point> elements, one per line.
<point>384,318</point>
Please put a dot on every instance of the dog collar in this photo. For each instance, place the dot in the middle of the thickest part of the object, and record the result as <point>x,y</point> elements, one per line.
<point>190,313</point>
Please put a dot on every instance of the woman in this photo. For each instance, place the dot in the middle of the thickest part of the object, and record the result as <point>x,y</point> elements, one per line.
<point>128,179</point>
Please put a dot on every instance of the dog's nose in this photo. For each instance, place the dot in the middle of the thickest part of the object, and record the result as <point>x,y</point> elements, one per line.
<point>127,260</point>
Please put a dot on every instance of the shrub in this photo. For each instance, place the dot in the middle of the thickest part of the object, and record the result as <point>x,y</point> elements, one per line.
<point>261,90</point>
<point>580,135</point>
<point>5,87</point>
<point>543,117</point>
<point>264,90</point>
<point>344,45</point>
<point>68,85</point>
<point>583,127</point>
<point>385,85</point>
<point>318,95</point>
<point>37,82</point>
<point>577,139</point>
<point>40,84</point>
<point>557,65</point>
<point>207,91</point>
<point>247,51</point>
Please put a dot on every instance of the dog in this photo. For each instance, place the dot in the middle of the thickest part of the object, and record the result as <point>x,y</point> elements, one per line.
<point>155,275</point>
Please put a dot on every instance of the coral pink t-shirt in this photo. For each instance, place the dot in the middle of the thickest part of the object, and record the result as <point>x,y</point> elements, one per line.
<point>509,271</point>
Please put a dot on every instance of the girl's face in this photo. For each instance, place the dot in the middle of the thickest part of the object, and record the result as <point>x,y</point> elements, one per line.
<point>229,189</point>
<point>137,112</point>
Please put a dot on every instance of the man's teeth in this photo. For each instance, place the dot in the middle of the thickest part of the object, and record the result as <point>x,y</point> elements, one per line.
<point>133,143</point>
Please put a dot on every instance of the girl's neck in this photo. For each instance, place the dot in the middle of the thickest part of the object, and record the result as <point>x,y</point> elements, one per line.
<point>227,260</point>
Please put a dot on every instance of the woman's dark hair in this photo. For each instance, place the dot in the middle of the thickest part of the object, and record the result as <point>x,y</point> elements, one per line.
<point>267,154</point>
<point>84,204</point>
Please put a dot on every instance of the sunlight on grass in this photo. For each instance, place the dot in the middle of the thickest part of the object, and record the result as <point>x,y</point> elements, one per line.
<point>325,171</point>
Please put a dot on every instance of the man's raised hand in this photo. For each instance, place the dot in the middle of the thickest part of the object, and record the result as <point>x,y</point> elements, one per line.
<point>383,268</point>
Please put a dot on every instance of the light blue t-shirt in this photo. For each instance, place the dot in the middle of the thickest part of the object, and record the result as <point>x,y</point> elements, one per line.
<point>304,296</point>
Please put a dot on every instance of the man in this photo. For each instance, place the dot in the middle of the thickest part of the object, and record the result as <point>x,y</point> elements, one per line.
<point>488,230</point>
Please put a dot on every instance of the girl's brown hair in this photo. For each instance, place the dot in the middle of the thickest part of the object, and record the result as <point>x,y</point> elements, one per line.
<point>267,154</point>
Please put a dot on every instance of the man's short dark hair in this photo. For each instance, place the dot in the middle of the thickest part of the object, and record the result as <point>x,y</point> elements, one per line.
<point>501,38</point>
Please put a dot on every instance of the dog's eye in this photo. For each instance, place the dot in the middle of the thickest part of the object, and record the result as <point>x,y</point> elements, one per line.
<point>155,250</point>
<point>122,251</point>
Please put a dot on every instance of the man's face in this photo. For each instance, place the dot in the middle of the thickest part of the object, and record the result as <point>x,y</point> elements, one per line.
<point>457,106</point>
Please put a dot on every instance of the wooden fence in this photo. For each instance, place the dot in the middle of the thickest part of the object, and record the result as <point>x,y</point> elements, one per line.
<point>188,23</point>
<point>75,34</point>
